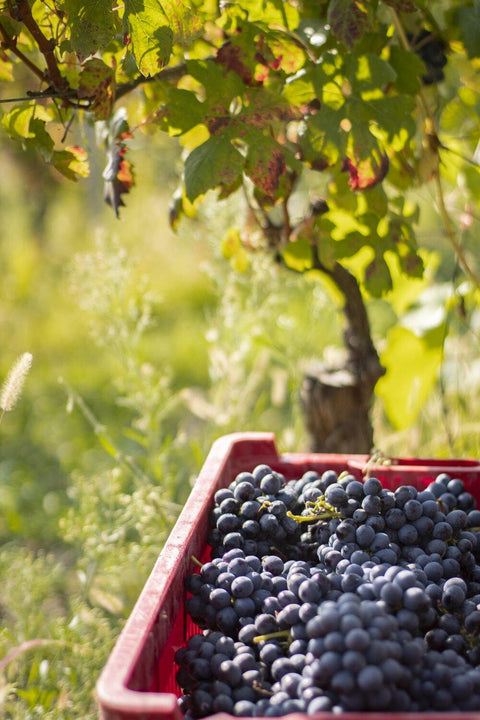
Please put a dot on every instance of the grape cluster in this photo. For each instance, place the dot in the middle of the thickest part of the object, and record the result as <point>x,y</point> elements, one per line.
<point>326,593</point>
<point>431,49</point>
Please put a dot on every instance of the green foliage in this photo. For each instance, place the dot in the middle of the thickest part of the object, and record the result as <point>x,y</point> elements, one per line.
<point>277,89</point>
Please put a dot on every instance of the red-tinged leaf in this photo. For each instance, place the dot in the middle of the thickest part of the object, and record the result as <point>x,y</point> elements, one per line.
<point>266,166</point>
<point>262,108</point>
<point>118,176</point>
<point>405,6</point>
<point>72,162</point>
<point>286,54</point>
<point>97,83</point>
<point>254,53</point>
<point>233,57</point>
<point>365,174</point>
<point>349,20</point>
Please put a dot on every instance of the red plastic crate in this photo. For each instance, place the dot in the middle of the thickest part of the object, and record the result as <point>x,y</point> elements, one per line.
<point>138,680</point>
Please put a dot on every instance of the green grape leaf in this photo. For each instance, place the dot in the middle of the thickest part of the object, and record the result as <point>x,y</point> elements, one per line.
<point>349,20</point>
<point>327,249</point>
<point>72,162</point>
<point>468,19</point>
<point>393,115</point>
<point>324,135</point>
<point>376,200</point>
<point>40,139</point>
<point>411,262</point>
<point>214,163</point>
<point>97,82</point>
<point>367,73</point>
<point>91,23</point>
<point>257,52</point>
<point>297,255</point>
<point>406,6</point>
<point>299,91</point>
<point>409,69</point>
<point>349,245</point>
<point>181,112</point>
<point>26,124</point>
<point>11,27</point>
<point>220,87</point>
<point>150,34</point>
<point>284,52</point>
<point>377,280</point>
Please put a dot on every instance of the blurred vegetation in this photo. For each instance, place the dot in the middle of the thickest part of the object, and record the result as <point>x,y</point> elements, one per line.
<point>147,345</point>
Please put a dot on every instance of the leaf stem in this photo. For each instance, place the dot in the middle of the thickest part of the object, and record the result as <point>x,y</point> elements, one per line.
<point>281,634</point>
<point>451,234</point>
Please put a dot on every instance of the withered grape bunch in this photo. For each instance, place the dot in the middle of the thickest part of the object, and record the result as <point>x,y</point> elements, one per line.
<point>329,594</point>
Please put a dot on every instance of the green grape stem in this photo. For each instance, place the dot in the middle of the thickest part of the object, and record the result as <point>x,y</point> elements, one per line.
<point>285,634</point>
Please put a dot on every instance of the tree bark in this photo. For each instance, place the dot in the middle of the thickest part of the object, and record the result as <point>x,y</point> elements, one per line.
<point>336,401</point>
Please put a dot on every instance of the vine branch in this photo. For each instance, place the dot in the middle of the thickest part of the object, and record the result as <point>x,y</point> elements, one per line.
<point>10,45</point>
<point>20,10</point>
<point>168,74</point>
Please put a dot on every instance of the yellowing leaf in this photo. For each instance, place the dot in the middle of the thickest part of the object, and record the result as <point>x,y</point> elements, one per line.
<point>241,261</point>
<point>150,34</point>
<point>412,365</point>
<point>97,82</point>
<point>184,18</point>
<point>17,121</point>
<point>272,12</point>
<point>231,243</point>
<point>71,162</point>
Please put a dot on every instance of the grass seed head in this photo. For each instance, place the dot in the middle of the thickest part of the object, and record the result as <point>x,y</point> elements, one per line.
<point>12,387</point>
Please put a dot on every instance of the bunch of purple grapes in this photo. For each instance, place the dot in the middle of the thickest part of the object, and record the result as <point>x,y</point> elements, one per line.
<point>328,594</point>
